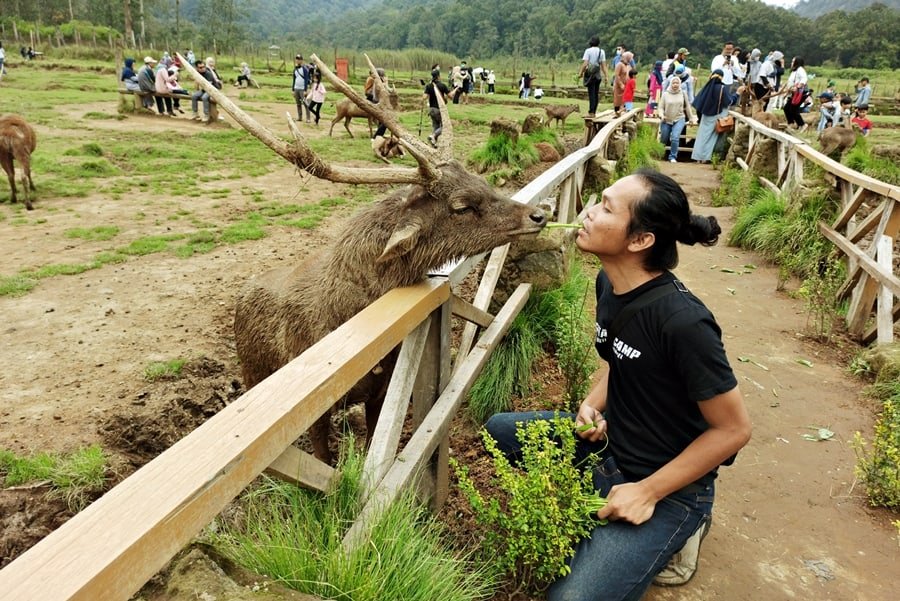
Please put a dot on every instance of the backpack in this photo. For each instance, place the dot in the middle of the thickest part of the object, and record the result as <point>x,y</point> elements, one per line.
<point>591,72</point>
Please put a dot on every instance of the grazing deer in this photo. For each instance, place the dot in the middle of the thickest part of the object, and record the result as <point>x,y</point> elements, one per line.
<point>560,113</point>
<point>838,138</point>
<point>17,142</point>
<point>347,110</point>
<point>445,213</point>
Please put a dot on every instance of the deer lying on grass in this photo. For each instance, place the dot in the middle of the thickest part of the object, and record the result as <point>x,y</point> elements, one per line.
<point>838,138</point>
<point>445,213</point>
<point>17,142</point>
<point>347,110</point>
<point>560,113</point>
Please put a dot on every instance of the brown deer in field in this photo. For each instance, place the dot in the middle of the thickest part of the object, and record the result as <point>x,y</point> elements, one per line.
<point>838,138</point>
<point>560,113</point>
<point>445,213</point>
<point>17,142</point>
<point>347,110</point>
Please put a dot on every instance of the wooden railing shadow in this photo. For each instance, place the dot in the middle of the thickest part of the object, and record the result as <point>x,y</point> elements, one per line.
<point>865,231</point>
<point>109,550</point>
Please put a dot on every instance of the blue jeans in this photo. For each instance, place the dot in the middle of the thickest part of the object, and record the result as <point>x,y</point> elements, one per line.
<point>671,133</point>
<point>619,560</point>
<point>200,95</point>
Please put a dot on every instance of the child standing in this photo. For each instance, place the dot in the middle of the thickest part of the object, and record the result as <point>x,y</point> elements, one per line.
<point>862,119</point>
<point>628,94</point>
<point>316,95</point>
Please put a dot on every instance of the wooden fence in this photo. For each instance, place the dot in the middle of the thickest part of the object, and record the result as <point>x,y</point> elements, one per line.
<point>109,550</point>
<point>865,230</point>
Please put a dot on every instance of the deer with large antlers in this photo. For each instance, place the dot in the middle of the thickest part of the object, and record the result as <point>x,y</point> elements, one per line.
<point>445,213</point>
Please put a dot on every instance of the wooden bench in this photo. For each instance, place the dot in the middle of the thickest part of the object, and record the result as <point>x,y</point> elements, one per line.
<point>138,97</point>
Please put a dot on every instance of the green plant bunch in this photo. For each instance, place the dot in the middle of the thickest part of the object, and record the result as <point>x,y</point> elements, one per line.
<point>294,536</point>
<point>559,318</point>
<point>879,467</point>
<point>643,151</point>
<point>73,477</point>
<point>545,506</point>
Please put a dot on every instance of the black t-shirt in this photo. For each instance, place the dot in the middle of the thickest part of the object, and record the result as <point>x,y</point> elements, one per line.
<point>429,89</point>
<point>666,359</point>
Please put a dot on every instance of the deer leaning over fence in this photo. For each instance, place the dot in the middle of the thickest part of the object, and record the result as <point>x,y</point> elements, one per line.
<point>838,138</point>
<point>445,213</point>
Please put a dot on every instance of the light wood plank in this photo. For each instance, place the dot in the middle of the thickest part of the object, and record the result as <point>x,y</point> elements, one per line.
<point>104,553</point>
<point>386,437</point>
<point>869,223</point>
<point>884,316</point>
<point>851,204</point>
<point>482,300</point>
<point>301,468</point>
<point>768,184</point>
<point>462,308</point>
<point>742,164</point>
<point>844,172</point>
<point>433,429</point>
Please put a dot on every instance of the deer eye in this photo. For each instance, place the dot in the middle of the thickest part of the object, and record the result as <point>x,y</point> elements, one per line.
<point>462,209</point>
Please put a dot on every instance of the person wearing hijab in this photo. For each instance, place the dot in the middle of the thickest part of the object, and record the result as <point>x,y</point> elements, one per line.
<point>711,104</point>
<point>620,80</point>
<point>655,85</point>
<point>674,111</point>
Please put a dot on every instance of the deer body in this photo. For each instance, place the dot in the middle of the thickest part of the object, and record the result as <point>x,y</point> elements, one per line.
<point>345,109</point>
<point>560,113</point>
<point>838,138</point>
<point>17,142</point>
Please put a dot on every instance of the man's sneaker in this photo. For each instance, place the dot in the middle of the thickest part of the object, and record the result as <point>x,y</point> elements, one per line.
<point>195,117</point>
<point>683,565</point>
<point>432,141</point>
<point>672,161</point>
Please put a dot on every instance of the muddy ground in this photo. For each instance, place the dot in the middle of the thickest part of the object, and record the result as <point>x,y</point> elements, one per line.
<point>791,520</point>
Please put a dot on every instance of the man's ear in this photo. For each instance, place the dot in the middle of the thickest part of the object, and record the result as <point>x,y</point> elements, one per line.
<point>641,241</point>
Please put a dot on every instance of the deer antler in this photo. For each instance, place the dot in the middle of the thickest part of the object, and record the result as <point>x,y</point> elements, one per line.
<point>426,157</point>
<point>300,154</point>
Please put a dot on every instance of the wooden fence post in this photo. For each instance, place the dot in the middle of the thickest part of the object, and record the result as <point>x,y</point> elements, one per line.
<point>885,315</point>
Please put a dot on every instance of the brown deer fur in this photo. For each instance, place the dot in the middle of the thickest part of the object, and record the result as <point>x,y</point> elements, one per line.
<point>757,113</point>
<point>445,213</point>
<point>17,142</point>
<point>347,110</point>
<point>389,244</point>
<point>838,138</point>
<point>560,113</point>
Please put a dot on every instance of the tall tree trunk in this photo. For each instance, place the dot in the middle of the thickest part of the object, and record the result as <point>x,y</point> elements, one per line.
<point>178,23</point>
<point>71,11</point>
<point>141,16</point>
<point>129,24</point>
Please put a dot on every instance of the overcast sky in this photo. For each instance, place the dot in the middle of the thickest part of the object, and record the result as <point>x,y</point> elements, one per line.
<point>784,3</point>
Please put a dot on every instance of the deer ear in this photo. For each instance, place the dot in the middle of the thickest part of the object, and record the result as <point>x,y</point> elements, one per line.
<point>400,243</point>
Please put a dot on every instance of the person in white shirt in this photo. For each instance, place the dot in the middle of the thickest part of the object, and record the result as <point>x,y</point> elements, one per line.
<point>724,62</point>
<point>797,92</point>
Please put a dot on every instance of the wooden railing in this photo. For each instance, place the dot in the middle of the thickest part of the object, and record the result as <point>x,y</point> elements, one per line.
<point>109,550</point>
<point>865,231</point>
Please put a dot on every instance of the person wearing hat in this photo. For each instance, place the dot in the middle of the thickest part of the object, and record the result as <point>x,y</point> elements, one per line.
<point>768,77</point>
<point>679,59</point>
<point>147,83</point>
<point>828,111</point>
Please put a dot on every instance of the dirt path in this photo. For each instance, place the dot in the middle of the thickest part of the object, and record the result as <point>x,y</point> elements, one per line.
<point>790,521</point>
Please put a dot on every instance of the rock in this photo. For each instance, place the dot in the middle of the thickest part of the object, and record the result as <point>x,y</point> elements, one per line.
<point>547,153</point>
<point>505,126</point>
<point>884,359</point>
<point>532,124</point>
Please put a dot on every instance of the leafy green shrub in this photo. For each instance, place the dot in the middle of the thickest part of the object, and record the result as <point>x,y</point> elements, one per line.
<point>879,467</point>
<point>737,189</point>
<point>544,509</point>
<point>294,536</point>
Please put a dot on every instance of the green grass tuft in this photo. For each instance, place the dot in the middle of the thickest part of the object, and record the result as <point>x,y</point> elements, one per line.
<point>73,477</point>
<point>159,370</point>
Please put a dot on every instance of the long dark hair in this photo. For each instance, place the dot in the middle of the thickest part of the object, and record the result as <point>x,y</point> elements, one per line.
<point>665,213</point>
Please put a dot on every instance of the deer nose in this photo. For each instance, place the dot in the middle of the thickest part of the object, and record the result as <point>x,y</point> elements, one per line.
<point>538,217</point>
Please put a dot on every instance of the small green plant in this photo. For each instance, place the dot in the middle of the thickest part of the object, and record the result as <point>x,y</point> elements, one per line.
<point>159,370</point>
<point>879,466</point>
<point>97,233</point>
<point>294,536</point>
<point>545,506</point>
<point>821,292</point>
<point>502,150</point>
<point>74,477</point>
